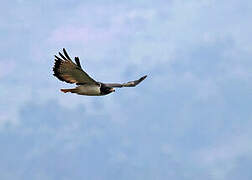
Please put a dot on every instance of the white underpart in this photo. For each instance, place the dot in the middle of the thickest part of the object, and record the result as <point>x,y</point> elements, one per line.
<point>90,90</point>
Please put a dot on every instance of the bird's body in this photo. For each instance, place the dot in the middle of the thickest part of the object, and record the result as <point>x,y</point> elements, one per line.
<point>66,70</point>
<point>88,90</point>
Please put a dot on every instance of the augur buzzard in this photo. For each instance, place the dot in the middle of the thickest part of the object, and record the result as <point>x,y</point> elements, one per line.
<point>66,70</point>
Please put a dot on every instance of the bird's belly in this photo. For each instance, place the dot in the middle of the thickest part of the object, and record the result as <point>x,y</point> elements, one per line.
<point>90,90</point>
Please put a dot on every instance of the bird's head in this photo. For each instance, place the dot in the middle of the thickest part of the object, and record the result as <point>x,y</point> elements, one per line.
<point>112,90</point>
<point>106,90</point>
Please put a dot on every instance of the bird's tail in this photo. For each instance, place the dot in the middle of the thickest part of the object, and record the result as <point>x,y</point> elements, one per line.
<point>68,90</point>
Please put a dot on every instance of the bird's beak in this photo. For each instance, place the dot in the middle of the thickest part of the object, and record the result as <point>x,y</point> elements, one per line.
<point>112,90</point>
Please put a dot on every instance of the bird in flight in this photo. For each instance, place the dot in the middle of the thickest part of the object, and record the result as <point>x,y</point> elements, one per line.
<point>66,70</point>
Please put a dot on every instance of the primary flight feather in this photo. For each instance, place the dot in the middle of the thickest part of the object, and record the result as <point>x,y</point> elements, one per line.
<point>68,71</point>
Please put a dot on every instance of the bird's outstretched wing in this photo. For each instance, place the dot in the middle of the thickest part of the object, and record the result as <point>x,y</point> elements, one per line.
<point>128,84</point>
<point>66,70</point>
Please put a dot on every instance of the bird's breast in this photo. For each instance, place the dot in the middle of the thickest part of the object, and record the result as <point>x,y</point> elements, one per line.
<point>90,90</point>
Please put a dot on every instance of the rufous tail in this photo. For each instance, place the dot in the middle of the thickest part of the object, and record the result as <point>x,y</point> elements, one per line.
<point>67,90</point>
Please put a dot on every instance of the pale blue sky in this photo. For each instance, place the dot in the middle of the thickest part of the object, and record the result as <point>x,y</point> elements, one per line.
<point>190,119</point>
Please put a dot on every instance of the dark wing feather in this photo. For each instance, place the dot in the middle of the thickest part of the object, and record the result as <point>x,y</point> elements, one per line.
<point>77,62</point>
<point>62,56</point>
<point>66,70</point>
<point>128,84</point>
<point>64,51</point>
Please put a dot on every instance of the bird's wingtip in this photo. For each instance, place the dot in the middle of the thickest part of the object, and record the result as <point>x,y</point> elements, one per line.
<point>142,78</point>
